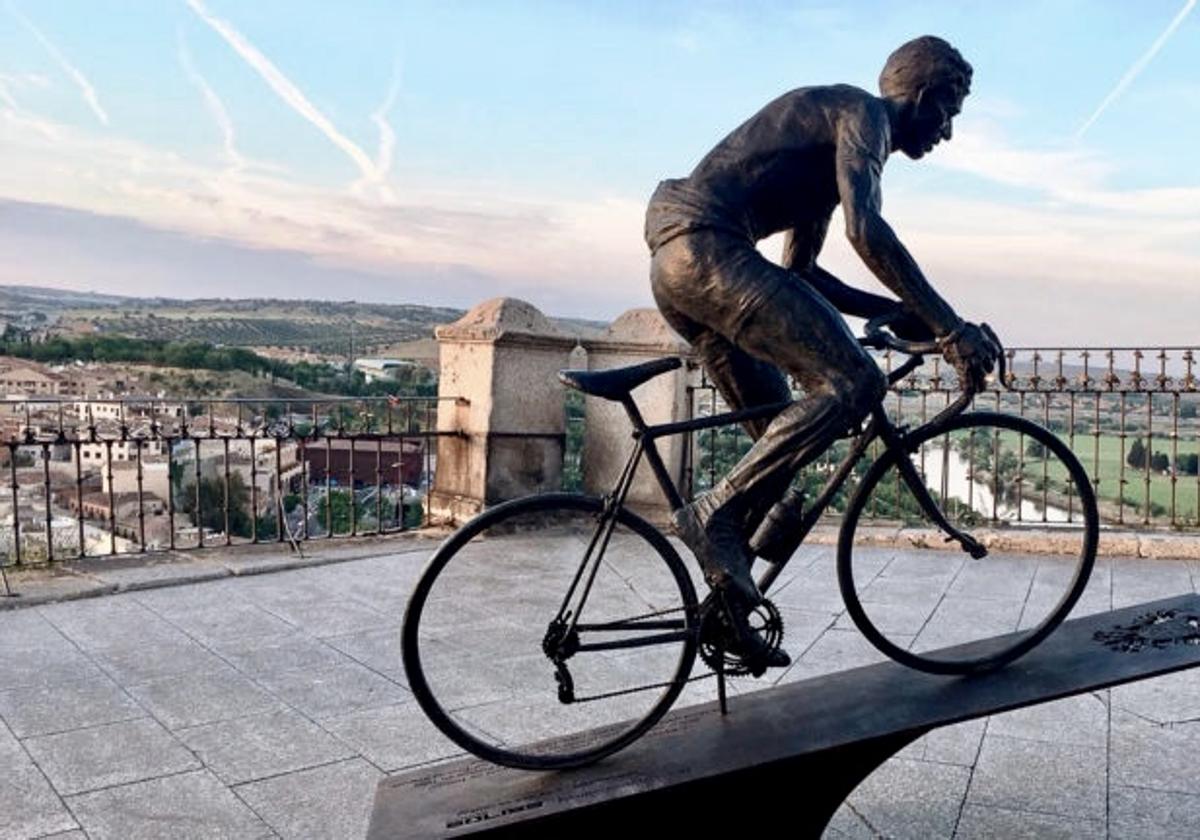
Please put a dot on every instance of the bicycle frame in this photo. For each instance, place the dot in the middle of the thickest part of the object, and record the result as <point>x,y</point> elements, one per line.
<point>879,427</point>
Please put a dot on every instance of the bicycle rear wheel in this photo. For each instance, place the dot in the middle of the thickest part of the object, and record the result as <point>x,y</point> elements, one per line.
<point>480,636</point>
<point>944,611</point>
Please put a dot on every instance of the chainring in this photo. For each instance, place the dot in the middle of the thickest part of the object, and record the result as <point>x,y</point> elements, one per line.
<point>717,636</point>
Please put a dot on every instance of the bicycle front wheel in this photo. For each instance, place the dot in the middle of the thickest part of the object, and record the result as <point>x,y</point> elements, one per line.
<point>545,634</point>
<point>1005,481</point>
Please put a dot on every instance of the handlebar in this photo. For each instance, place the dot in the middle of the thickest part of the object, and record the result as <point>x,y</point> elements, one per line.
<point>878,338</point>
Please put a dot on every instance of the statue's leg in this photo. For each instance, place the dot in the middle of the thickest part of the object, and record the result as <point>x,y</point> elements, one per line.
<point>788,325</point>
<point>716,283</point>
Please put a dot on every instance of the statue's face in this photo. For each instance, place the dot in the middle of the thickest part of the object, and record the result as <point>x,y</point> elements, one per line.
<point>927,121</point>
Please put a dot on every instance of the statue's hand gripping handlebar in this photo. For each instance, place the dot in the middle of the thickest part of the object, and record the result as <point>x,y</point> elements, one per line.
<point>877,337</point>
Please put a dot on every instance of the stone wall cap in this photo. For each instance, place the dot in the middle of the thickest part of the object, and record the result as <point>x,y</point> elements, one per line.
<point>504,319</point>
<point>640,330</point>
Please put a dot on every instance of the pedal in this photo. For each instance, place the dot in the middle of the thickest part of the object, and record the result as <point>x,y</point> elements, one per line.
<point>566,685</point>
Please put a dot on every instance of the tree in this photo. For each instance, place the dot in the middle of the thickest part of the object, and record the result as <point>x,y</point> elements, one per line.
<point>1136,457</point>
<point>212,505</point>
<point>337,503</point>
<point>1160,462</point>
<point>1188,464</point>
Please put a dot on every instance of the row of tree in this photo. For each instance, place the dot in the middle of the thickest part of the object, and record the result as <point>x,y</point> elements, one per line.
<point>199,355</point>
<point>1139,456</point>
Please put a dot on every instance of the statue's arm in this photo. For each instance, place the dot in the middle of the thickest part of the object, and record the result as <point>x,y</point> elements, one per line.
<point>858,170</point>
<point>798,248</point>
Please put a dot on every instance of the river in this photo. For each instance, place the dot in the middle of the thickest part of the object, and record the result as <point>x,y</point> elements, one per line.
<point>958,484</point>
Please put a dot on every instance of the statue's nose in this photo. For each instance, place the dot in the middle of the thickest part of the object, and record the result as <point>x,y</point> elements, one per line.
<point>946,131</point>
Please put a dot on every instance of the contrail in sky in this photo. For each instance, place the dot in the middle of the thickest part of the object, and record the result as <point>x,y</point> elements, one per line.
<point>85,87</point>
<point>285,89</point>
<point>387,135</point>
<point>216,108</point>
<point>387,140</point>
<point>1137,67</point>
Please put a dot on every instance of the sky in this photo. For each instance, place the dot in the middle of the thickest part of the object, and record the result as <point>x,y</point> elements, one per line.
<point>446,152</point>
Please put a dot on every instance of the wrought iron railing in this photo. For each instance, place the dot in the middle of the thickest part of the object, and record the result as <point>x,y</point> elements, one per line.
<point>106,477</point>
<point>1128,413</point>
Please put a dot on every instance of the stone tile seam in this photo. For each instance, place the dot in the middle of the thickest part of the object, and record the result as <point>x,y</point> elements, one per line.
<point>321,766</point>
<point>92,726</point>
<point>962,805</point>
<point>323,641</point>
<point>1155,722</point>
<point>1170,791</point>
<point>61,799</point>
<point>875,833</point>
<point>198,766</point>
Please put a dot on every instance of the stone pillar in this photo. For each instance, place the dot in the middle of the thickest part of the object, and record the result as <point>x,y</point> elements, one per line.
<point>500,361</point>
<point>637,336</point>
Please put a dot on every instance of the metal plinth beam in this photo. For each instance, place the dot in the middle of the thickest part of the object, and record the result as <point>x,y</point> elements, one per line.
<point>807,743</point>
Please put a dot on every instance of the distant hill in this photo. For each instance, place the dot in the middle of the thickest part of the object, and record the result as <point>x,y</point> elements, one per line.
<point>326,327</point>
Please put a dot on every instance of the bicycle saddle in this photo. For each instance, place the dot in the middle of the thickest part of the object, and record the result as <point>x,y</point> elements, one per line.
<point>615,384</point>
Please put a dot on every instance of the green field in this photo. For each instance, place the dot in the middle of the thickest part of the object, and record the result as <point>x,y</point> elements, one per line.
<point>1102,459</point>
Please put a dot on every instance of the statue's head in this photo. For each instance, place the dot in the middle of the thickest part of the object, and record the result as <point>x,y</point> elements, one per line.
<point>927,79</point>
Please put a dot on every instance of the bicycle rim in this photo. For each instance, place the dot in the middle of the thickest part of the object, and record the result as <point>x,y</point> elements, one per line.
<point>475,631</point>
<point>1004,480</point>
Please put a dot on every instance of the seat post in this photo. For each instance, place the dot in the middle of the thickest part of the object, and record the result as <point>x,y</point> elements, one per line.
<point>650,450</point>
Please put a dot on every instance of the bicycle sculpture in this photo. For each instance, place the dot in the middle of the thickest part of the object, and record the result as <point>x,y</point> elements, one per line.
<point>513,640</point>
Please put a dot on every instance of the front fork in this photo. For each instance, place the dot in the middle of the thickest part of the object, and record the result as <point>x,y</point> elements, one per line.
<point>896,440</point>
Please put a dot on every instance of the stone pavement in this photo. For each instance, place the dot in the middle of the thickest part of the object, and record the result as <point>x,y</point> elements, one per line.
<point>270,705</point>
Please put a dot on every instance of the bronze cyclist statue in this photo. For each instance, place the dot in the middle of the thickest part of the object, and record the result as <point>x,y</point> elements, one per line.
<point>753,323</point>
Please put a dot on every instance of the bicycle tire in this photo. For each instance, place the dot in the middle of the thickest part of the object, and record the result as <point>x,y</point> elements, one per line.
<point>495,542</point>
<point>976,655</point>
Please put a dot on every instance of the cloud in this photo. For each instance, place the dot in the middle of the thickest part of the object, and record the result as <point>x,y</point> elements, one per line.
<point>286,90</point>
<point>85,87</point>
<point>1136,68</point>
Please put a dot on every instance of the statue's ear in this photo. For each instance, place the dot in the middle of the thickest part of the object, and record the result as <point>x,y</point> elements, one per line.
<point>919,97</point>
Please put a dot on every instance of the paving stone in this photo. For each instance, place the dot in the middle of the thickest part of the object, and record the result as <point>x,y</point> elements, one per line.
<point>983,823</point>
<point>1143,814</point>
<point>29,807</point>
<point>836,650</point>
<point>912,799</point>
<point>155,660</point>
<point>24,666</point>
<point>1166,699</point>
<point>59,708</point>
<point>1082,719</point>
<point>392,737</point>
<point>193,699</point>
<point>296,805</point>
<point>1143,754</point>
<point>1063,779</point>
<point>231,622</point>
<point>182,807</point>
<point>958,744</point>
<point>333,617</point>
<point>263,745</point>
<point>113,754</point>
<point>280,653</point>
<point>1136,581</point>
<point>378,650</point>
<point>334,691</point>
<point>111,622</point>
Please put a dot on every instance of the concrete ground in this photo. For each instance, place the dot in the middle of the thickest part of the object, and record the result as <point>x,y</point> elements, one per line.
<point>270,706</point>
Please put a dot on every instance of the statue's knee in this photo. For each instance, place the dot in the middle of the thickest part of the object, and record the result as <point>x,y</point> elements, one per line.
<point>864,389</point>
